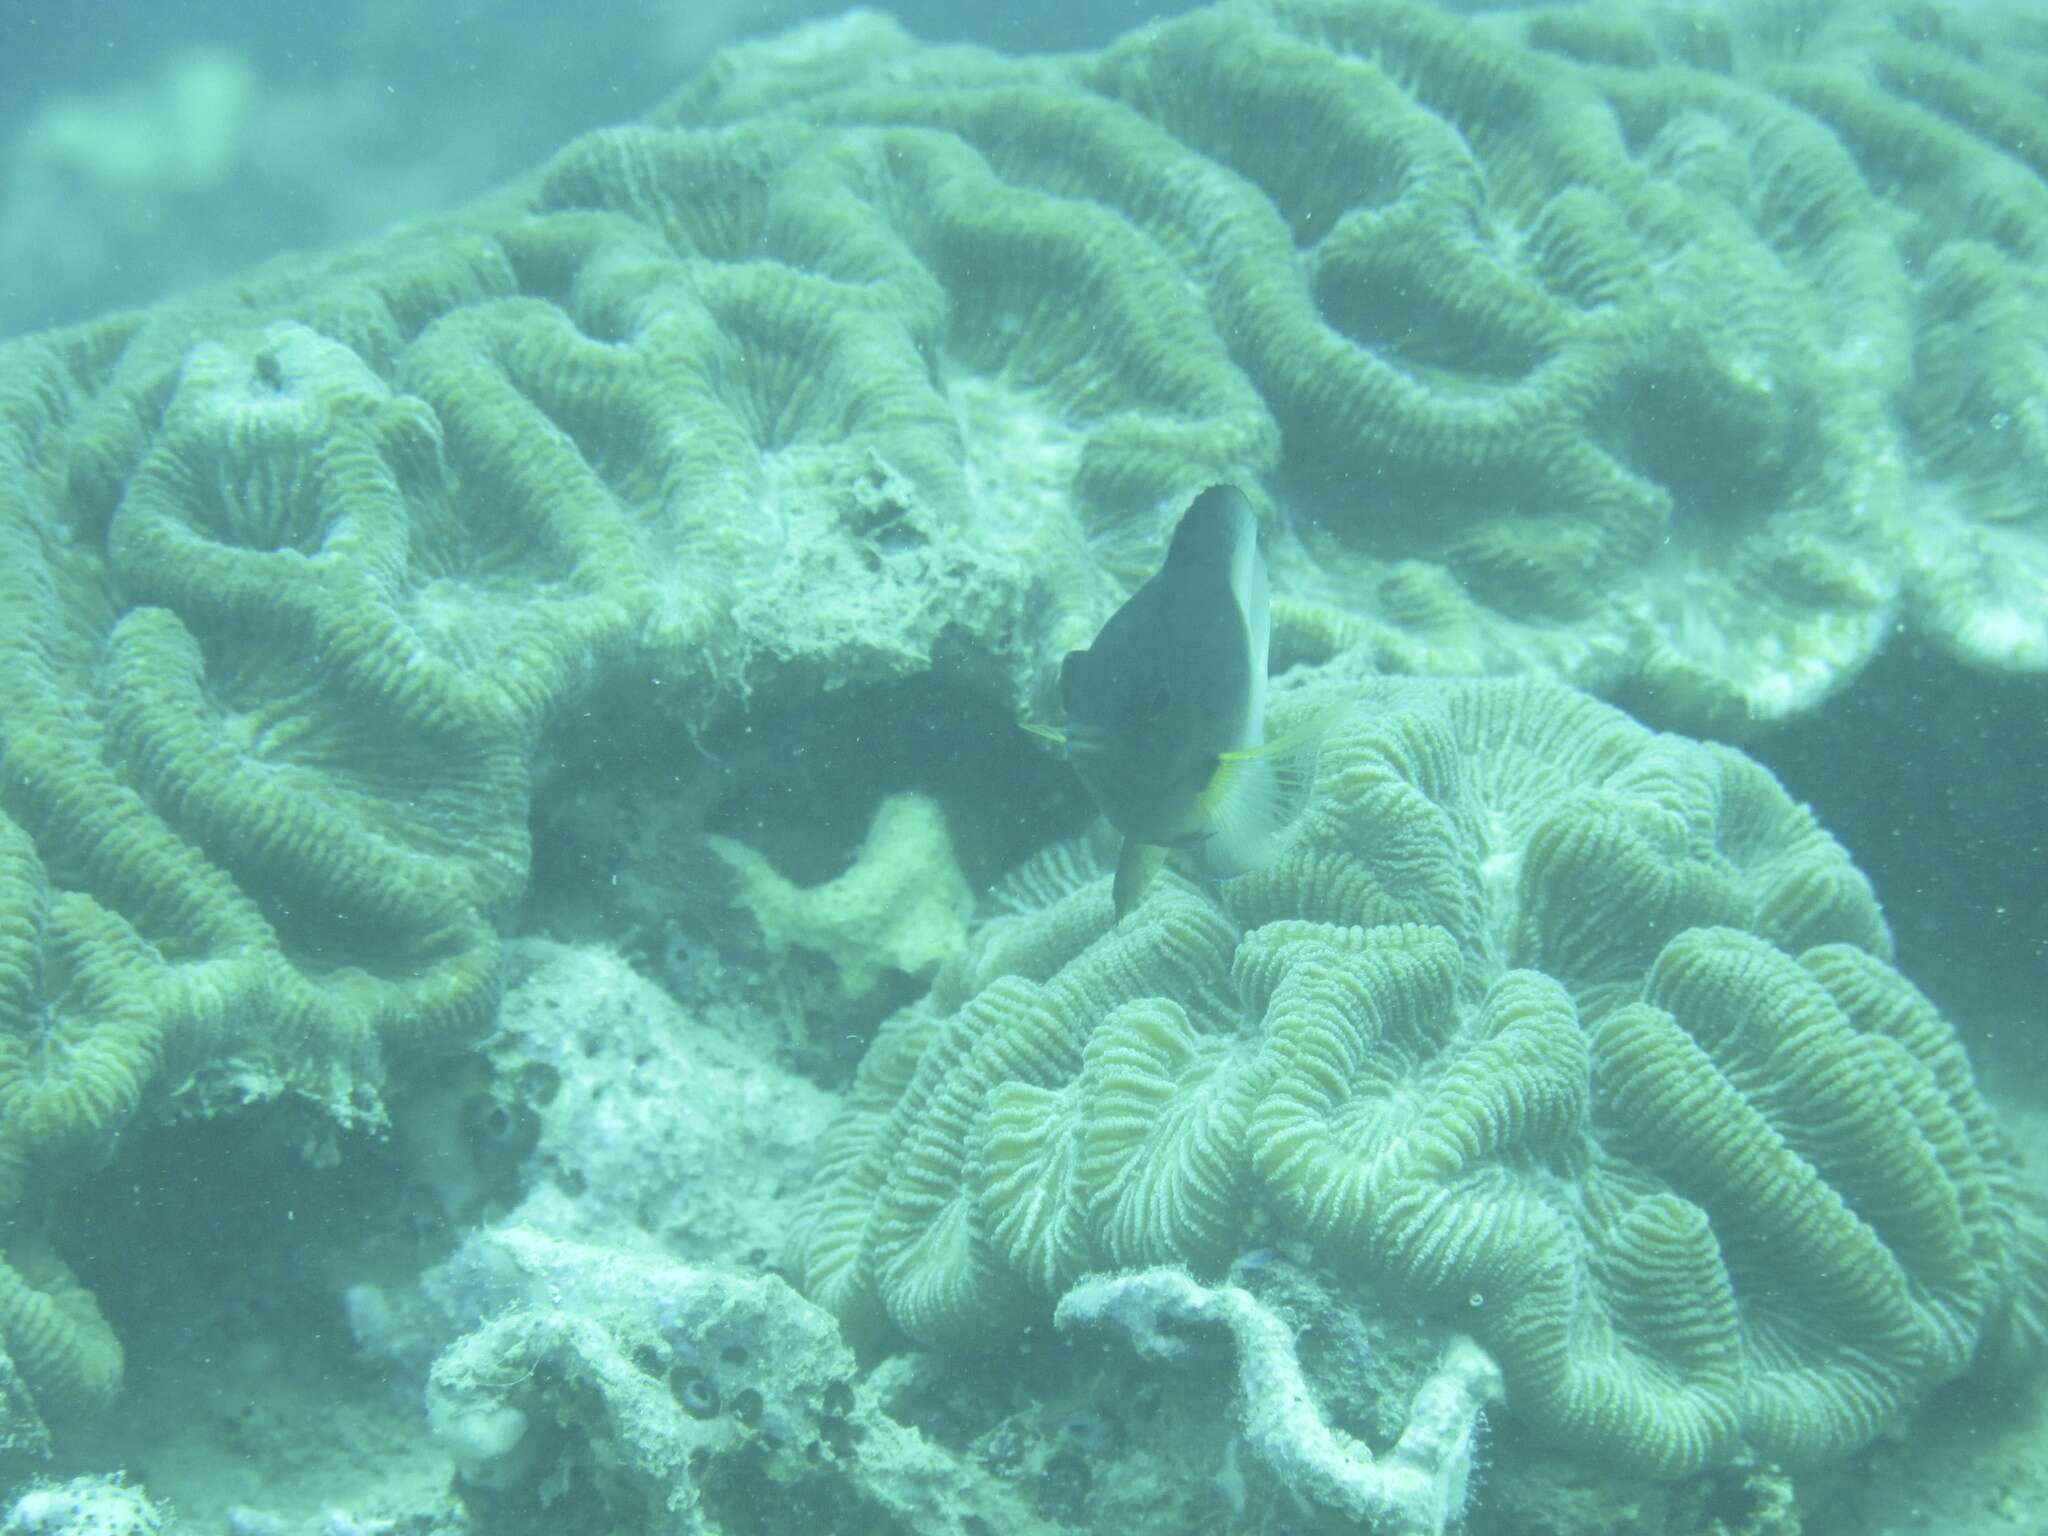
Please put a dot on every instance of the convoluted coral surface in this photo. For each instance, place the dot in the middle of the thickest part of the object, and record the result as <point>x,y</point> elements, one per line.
<point>863,357</point>
<point>1587,344</point>
<point>1905,147</point>
<point>1582,1035</point>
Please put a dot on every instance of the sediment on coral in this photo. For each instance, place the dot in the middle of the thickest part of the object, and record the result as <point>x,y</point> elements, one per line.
<point>1582,1036</point>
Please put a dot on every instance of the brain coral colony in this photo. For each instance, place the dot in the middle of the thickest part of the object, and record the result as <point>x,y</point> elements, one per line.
<point>1627,357</point>
<point>1571,350</point>
<point>1585,1033</point>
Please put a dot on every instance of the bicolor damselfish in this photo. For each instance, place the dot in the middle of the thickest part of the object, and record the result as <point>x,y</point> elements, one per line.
<point>1166,710</point>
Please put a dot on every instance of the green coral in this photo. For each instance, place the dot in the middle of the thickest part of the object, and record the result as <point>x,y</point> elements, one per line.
<point>1584,1036</point>
<point>861,361</point>
<point>53,1338</point>
<point>1543,393</point>
<point>901,907</point>
<point>1673,358</point>
<point>296,575</point>
<point>1935,115</point>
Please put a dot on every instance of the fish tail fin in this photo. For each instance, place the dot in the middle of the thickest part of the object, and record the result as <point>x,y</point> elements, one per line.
<point>1257,794</point>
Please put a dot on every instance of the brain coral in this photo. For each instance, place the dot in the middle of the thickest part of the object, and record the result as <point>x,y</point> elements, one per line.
<point>1567,349</point>
<point>1939,113</point>
<point>1582,1035</point>
<point>860,357</point>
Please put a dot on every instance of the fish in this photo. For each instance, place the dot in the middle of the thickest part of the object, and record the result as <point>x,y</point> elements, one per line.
<point>1166,710</point>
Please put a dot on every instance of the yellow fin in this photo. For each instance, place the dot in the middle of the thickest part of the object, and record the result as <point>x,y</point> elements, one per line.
<point>1256,794</point>
<point>1045,731</point>
<point>1309,734</point>
<point>1135,867</point>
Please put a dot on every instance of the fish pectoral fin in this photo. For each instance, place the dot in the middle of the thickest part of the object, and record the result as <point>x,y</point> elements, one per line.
<point>1297,745</point>
<point>1256,794</point>
<point>1046,731</point>
<point>1136,866</point>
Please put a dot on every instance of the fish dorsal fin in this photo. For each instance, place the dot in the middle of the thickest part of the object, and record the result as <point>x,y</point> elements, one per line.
<point>1256,794</point>
<point>1136,866</point>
